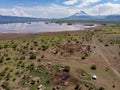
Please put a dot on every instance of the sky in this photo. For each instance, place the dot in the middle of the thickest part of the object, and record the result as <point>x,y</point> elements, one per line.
<point>58,8</point>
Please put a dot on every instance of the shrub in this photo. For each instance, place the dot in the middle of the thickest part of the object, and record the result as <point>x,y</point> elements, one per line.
<point>14,79</point>
<point>23,65</point>
<point>31,48</point>
<point>32,56</point>
<point>11,70</point>
<point>77,87</point>
<point>7,68</point>
<point>5,85</point>
<point>22,58</point>
<point>67,69</point>
<point>44,48</point>
<point>119,53</point>
<point>83,57</point>
<point>101,88</point>
<point>7,77</point>
<point>14,46</point>
<point>106,45</point>
<point>42,56</point>
<point>5,46</point>
<point>93,67</point>
<point>30,67</point>
<point>1,47</point>
<point>32,82</point>
<point>113,86</point>
<point>39,48</point>
<point>8,58</point>
<point>35,43</point>
<point>2,74</point>
<point>1,60</point>
<point>23,52</point>
<point>16,73</point>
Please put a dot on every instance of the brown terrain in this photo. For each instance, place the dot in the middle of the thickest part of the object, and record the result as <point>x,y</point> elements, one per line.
<point>62,60</point>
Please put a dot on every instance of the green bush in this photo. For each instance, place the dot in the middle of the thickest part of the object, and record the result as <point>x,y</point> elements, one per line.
<point>44,48</point>
<point>5,85</point>
<point>17,73</point>
<point>106,45</point>
<point>67,69</point>
<point>14,79</point>
<point>32,56</point>
<point>83,57</point>
<point>32,82</point>
<point>93,67</point>
<point>8,58</point>
<point>101,88</point>
<point>77,87</point>
<point>30,67</point>
<point>1,60</point>
<point>42,56</point>
<point>2,74</point>
<point>14,46</point>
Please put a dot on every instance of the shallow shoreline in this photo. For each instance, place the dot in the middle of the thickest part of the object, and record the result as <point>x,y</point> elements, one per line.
<point>12,36</point>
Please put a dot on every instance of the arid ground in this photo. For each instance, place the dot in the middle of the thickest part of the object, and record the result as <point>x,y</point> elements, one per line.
<point>61,60</point>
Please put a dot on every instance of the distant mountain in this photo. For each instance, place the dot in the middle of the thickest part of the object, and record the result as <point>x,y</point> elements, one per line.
<point>80,16</point>
<point>83,16</point>
<point>16,19</point>
<point>81,13</point>
<point>113,17</point>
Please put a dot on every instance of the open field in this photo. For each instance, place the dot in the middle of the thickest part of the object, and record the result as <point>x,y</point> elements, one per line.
<point>61,60</point>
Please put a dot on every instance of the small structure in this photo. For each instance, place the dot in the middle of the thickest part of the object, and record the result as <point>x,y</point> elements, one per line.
<point>40,87</point>
<point>34,51</point>
<point>49,63</point>
<point>94,77</point>
<point>83,74</point>
<point>54,51</point>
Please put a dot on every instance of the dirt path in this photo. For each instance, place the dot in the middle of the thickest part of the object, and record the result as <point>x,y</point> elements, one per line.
<point>100,52</point>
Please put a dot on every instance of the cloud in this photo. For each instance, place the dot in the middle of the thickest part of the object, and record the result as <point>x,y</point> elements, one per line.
<point>116,0</point>
<point>13,12</point>
<point>50,11</point>
<point>70,2</point>
<point>87,2</point>
<point>58,11</point>
<point>105,9</point>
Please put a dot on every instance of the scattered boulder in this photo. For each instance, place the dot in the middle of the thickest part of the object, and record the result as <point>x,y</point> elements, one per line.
<point>66,83</point>
<point>87,85</point>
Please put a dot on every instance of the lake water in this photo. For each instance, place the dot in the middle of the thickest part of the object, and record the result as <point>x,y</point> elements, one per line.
<point>36,27</point>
